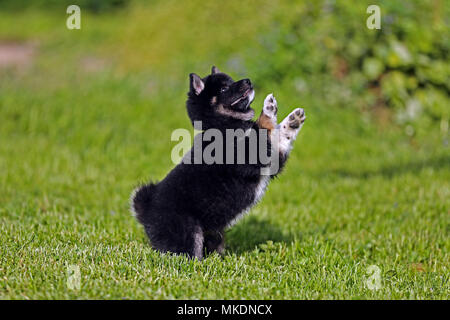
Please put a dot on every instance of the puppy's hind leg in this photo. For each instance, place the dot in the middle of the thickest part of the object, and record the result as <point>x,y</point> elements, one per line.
<point>198,243</point>
<point>214,241</point>
<point>182,235</point>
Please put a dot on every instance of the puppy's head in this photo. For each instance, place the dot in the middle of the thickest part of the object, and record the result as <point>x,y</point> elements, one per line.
<point>217,99</point>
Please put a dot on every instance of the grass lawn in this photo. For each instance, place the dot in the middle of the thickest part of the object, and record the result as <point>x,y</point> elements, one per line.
<point>90,117</point>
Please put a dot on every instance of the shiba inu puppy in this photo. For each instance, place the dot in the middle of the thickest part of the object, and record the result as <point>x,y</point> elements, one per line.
<point>188,211</point>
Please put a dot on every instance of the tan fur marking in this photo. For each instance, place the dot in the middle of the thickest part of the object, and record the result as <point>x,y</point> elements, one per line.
<point>265,122</point>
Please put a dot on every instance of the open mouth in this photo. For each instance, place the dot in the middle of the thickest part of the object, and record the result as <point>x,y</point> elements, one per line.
<point>245,95</point>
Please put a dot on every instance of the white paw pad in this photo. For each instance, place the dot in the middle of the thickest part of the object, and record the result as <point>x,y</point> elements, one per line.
<point>290,127</point>
<point>296,119</point>
<point>270,108</point>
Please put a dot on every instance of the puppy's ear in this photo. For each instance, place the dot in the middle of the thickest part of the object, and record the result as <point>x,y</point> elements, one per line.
<point>214,69</point>
<point>197,84</point>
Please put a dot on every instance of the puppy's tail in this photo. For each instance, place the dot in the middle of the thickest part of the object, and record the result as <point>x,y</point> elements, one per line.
<point>141,200</point>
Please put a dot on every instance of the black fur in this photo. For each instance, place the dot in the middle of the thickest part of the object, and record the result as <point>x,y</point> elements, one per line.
<point>188,211</point>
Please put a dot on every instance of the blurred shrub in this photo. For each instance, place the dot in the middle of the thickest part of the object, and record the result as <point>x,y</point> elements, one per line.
<point>404,66</point>
<point>96,6</point>
<point>322,48</point>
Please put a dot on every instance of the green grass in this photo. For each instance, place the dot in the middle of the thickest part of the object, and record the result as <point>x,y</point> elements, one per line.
<point>75,141</point>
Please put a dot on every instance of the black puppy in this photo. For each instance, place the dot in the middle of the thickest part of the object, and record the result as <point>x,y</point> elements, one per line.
<point>188,211</point>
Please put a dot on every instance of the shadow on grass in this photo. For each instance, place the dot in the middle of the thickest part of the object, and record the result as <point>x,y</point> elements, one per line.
<point>393,170</point>
<point>251,232</point>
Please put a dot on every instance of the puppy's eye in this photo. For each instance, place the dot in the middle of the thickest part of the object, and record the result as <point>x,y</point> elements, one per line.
<point>223,89</point>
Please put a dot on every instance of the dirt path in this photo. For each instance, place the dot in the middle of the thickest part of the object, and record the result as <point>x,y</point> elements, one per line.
<point>15,54</point>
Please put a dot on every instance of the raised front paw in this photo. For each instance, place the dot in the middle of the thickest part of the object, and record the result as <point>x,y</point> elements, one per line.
<point>296,118</point>
<point>289,129</point>
<point>270,108</point>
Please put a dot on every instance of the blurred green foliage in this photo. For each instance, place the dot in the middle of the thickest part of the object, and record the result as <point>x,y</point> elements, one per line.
<point>403,66</point>
<point>320,48</point>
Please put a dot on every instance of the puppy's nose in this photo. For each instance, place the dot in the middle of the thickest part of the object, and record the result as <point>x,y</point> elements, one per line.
<point>247,82</point>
